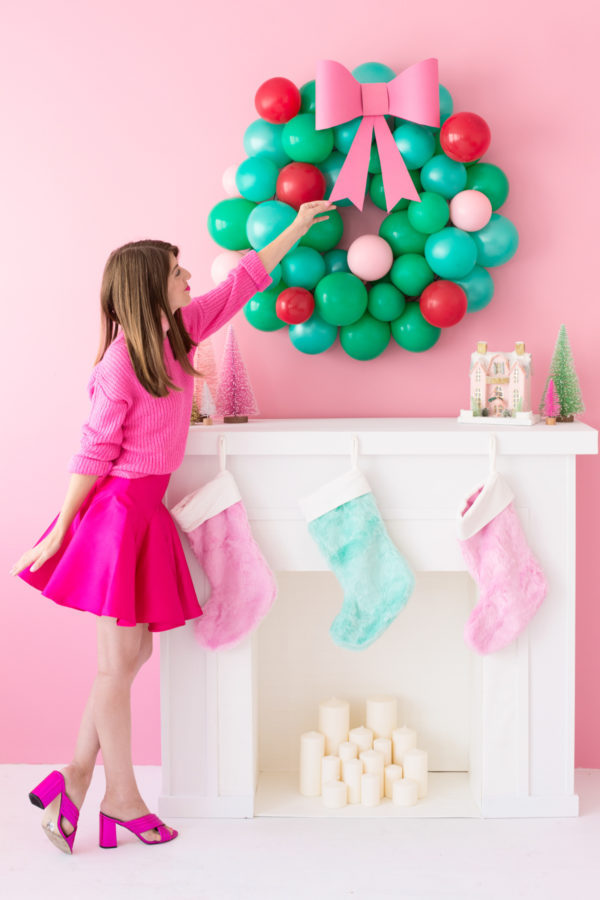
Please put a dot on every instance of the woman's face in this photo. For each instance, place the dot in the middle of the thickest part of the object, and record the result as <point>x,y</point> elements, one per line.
<point>178,291</point>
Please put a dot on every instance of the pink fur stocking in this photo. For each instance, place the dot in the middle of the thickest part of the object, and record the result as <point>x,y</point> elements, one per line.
<point>510,580</point>
<point>242,585</point>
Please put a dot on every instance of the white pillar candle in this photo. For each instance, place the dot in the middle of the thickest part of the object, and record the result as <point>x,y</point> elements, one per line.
<point>330,769</point>
<point>347,750</point>
<point>415,767</point>
<point>334,723</point>
<point>392,774</point>
<point>374,764</point>
<point>312,748</point>
<point>370,789</point>
<point>405,792</point>
<point>352,770</point>
<point>362,737</point>
<point>382,715</point>
<point>335,794</point>
<point>384,745</point>
<point>403,739</point>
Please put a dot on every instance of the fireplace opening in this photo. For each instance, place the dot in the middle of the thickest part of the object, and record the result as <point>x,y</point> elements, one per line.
<point>421,659</point>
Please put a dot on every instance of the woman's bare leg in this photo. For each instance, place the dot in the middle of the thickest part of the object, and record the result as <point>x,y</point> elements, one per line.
<point>78,774</point>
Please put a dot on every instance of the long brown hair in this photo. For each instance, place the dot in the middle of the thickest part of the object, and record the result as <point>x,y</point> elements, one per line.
<point>133,297</point>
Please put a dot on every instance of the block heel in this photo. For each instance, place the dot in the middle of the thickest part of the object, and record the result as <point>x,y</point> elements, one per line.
<point>44,793</point>
<point>108,832</point>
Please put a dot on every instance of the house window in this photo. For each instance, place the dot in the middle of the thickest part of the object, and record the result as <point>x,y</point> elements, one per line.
<point>516,376</point>
<point>498,391</point>
<point>515,398</point>
<point>478,374</point>
<point>478,394</point>
<point>498,368</point>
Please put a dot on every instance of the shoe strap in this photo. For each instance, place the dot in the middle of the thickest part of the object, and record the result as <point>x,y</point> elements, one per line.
<point>68,810</point>
<point>144,823</point>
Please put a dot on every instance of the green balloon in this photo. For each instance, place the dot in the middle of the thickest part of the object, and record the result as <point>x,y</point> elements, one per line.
<point>324,235</point>
<point>400,235</point>
<point>412,332</point>
<point>260,310</point>
<point>303,267</point>
<point>313,336</point>
<point>490,180</point>
<point>411,274</point>
<point>227,222</point>
<point>307,97</point>
<point>366,338</point>
<point>374,161</point>
<point>386,302</point>
<point>303,143</point>
<point>341,298</point>
<point>377,194</point>
<point>430,215</point>
<point>331,168</point>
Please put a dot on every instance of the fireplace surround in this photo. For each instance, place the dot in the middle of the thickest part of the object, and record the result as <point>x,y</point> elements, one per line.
<point>231,720</point>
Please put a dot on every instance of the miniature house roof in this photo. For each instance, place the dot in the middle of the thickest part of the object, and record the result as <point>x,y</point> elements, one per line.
<point>513,358</point>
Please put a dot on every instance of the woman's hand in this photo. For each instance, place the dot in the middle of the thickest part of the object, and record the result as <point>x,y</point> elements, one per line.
<point>38,555</point>
<point>312,212</point>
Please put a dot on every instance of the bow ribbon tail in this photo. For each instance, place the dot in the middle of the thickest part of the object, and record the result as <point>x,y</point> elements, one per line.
<point>352,180</point>
<point>397,182</point>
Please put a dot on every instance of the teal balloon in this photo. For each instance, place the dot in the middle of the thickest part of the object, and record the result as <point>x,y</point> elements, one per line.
<point>446,104</point>
<point>263,138</point>
<point>303,267</point>
<point>275,275</point>
<point>411,274</point>
<point>344,134</point>
<point>429,214</point>
<point>260,310</point>
<point>365,339</point>
<point>227,222</point>
<point>303,143</point>
<point>341,298</point>
<point>370,72</point>
<point>307,97</point>
<point>451,253</point>
<point>400,235</point>
<point>331,168</point>
<point>324,235</point>
<point>256,178</point>
<point>267,221</point>
<point>313,336</point>
<point>491,181</point>
<point>415,143</point>
<point>377,193</point>
<point>412,332</point>
<point>386,302</point>
<point>496,242</point>
<point>336,261</point>
<point>478,285</point>
<point>444,176</point>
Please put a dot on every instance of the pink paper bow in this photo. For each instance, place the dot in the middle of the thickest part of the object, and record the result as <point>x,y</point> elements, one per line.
<point>339,97</point>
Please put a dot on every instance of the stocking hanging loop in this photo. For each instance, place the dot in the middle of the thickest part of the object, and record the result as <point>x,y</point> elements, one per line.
<point>354,453</point>
<point>222,453</point>
<point>492,452</point>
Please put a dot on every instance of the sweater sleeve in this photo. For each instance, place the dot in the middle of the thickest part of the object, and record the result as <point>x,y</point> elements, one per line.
<point>207,313</point>
<point>102,434</point>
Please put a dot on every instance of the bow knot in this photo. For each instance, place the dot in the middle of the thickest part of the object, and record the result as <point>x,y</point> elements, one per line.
<point>411,95</point>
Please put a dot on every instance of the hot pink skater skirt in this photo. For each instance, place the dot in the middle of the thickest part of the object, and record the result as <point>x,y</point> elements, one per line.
<point>122,557</point>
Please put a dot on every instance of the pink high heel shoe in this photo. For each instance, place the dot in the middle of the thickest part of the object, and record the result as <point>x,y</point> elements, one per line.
<point>42,795</point>
<point>108,829</point>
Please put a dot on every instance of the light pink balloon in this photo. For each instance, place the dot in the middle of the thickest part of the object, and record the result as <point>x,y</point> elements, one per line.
<point>223,264</point>
<point>228,182</point>
<point>470,210</point>
<point>370,257</point>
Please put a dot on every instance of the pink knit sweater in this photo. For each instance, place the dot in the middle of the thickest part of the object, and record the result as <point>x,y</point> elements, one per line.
<point>131,434</point>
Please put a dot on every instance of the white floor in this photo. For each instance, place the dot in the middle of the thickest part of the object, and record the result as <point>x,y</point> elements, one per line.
<point>289,858</point>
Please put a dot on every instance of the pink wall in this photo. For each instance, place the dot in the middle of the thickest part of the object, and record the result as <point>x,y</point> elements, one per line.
<point>119,118</point>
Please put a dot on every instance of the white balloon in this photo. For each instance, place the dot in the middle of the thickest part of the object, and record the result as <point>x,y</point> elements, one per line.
<point>228,181</point>
<point>223,264</point>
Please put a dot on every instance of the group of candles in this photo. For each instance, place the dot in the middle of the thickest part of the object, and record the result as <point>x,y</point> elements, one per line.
<point>365,764</point>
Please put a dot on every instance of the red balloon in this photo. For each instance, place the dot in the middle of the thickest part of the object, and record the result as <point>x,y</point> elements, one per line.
<point>465,137</point>
<point>443,303</point>
<point>299,182</point>
<point>277,100</point>
<point>295,305</point>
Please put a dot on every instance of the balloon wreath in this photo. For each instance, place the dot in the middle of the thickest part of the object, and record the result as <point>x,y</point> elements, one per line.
<point>427,267</point>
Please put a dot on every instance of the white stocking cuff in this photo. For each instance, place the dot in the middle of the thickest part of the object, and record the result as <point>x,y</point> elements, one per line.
<point>345,488</point>
<point>494,497</point>
<point>211,499</point>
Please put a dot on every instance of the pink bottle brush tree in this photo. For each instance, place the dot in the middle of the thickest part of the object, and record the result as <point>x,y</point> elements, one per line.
<point>551,403</point>
<point>235,398</point>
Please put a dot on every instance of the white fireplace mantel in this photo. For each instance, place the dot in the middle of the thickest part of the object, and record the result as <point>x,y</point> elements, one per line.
<point>521,722</point>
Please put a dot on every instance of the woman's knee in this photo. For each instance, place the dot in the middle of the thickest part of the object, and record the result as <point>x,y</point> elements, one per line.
<point>145,648</point>
<point>120,648</point>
